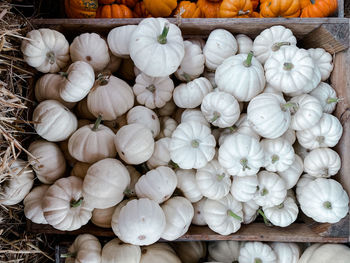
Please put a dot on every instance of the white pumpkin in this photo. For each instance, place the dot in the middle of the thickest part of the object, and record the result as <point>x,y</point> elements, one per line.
<point>241,155</point>
<point>270,89</point>
<point>85,248</point>
<point>53,121</point>
<point>326,133</point>
<point>118,40</point>
<point>191,251</point>
<point>46,50</point>
<point>245,44</point>
<point>243,188</point>
<point>167,127</point>
<point>272,189</point>
<point>146,117</point>
<point>167,109</point>
<point>242,76</point>
<point>256,252</point>
<point>178,213</point>
<point>103,217</point>
<point>198,217</point>
<point>250,211</point>
<point>157,184</point>
<point>186,182</point>
<point>197,41</point>
<point>286,252</point>
<point>220,109</point>
<point>160,252</point>
<point>224,251</point>
<point>105,182</point>
<point>194,115</point>
<point>220,45</point>
<point>161,155</point>
<point>78,80</point>
<point>324,253</point>
<point>303,181</point>
<point>134,177</point>
<point>279,154</point>
<point>290,136</point>
<point>141,222</point>
<point>117,251</point>
<point>157,47</point>
<point>327,97</point>
<point>271,40</point>
<point>192,145</point>
<point>192,65</point>
<point>322,162</point>
<point>32,204</point>
<point>324,200</point>
<point>269,115</point>
<point>110,97</point>
<point>323,60</point>
<point>293,173</point>
<point>115,216</point>
<point>91,48</point>
<point>223,216</point>
<point>306,112</point>
<point>213,181</point>
<point>153,92</point>
<point>73,212</point>
<point>191,94</point>
<point>134,143</point>
<point>284,214</point>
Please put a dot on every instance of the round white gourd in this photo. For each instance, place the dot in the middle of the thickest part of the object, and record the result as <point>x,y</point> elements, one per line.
<point>286,252</point>
<point>117,251</point>
<point>323,60</point>
<point>293,173</point>
<point>290,136</point>
<point>250,211</point>
<point>197,41</point>
<point>118,40</point>
<point>186,182</point>
<point>191,251</point>
<point>115,215</point>
<point>32,204</point>
<point>198,218</point>
<point>284,214</point>
<point>160,252</point>
<point>194,115</point>
<point>161,154</point>
<point>245,44</point>
<point>327,97</point>
<point>103,217</point>
<point>243,188</point>
<point>256,252</point>
<point>324,253</point>
<point>85,248</point>
<point>167,127</point>
<point>224,251</point>
<point>146,117</point>
<point>303,181</point>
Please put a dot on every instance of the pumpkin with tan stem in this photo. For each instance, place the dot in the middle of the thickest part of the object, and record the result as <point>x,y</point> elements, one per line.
<point>188,9</point>
<point>274,8</point>
<point>85,248</point>
<point>233,8</point>
<point>117,251</point>
<point>81,8</point>
<point>160,8</point>
<point>318,8</point>
<point>114,11</point>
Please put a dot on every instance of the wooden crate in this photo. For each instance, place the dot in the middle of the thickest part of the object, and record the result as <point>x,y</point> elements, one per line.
<point>331,34</point>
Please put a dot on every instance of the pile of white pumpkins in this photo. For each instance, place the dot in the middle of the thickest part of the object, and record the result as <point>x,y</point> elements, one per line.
<point>225,137</point>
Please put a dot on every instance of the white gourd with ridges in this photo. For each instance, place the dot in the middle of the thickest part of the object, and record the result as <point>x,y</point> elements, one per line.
<point>286,252</point>
<point>198,218</point>
<point>160,252</point>
<point>290,136</point>
<point>161,154</point>
<point>284,214</point>
<point>243,188</point>
<point>117,251</point>
<point>197,41</point>
<point>256,252</point>
<point>293,173</point>
<point>191,251</point>
<point>250,211</point>
<point>186,182</point>
<point>118,40</point>
<point>327,97</point>
<point>194,115</point>
<point>146,117</point>
<point>224,251</point>
<point>32,204</point>
<point>303,181</point>
<point>167,127</point>
<point>103,217</point>
<point>323,60</point>
<point>85,248</point>
<point>115,216</point>
<point>270,89</point>
<point>245,44</point>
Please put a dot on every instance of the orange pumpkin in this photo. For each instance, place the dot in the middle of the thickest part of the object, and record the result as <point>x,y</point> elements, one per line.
<point>190,10</point>
<point>114,11</point>
<point>106,2</point>
<point>140,10</point>
<point>280,8</point>
<point>255,15</point>
<point>128,3</point>
<point>209,9</point>
<point>81,8</point>
<point>318,8</point>
<point>255,4</point>
<point>236,8</point>
<point>160,8</point>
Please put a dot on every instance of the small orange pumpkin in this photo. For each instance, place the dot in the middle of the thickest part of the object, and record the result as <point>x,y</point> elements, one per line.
<point>114,11</point>
<point>128,3</point>
<point>255,15</point>
<point>81,8</point>
<point>106,2</point>
<point>209,9</point>
<point>280,8</point>
<point>160,8</point>
<point>190,10</point>
<point>140,10</point>
<point>318,8</point>
<point>236,8</point>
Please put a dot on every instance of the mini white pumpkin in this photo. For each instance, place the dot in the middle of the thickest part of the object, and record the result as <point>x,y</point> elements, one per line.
<point>186,182</point>
<point>141,222</point>
<point>197,41</point>
<point>250,211</point>
<point>178,213</point>
<point>167,109</point>
<point>324,200</point>
<point>279,154</point>
<point>85,248</point>
<point>220,109</point>
<point>327,97</point>
<point>223,216</point>
<point>271,40</point>
<point>272,189</point>
<point>46,50</point>
<point>284,214</point>
<point>53,121</point>
<point>242,76</point>
<point>153,92</point>
<point>47,161</point>
<point>146,117</point>
<point>256,252</point>
<point>192,65</point>
<point>118,40</point>
<point>117,251</point>
<point>326,133</point>
<point>286,252</point>
<point>134,143</point>
<point>161,154</point>
<point>323,60</point>
<point>167,127</point>
<point>192,145</point>
<point>160,252</point>
<point>242,126</point>
<point>157,47</point>
<point>220,45</point>
<point>194,115</point>
<point>293,173</point>
<point>191,251</point>
<point>103,217</point>
<point>78,80</point>
<point>224,251</point>
<point>245,44</point>
<point>91,48</point>
<point>110,97</point>
<point>198,217</point>
<point>32,204</point>
<point>303,181</point>
<point>324,253</point>
<point>241,155</point>
<point>191,94</point>
<point>115,216</point>
<point>290,136</point>
<point>243,188</point>
<point>157,184</point>
<point>269,115</point>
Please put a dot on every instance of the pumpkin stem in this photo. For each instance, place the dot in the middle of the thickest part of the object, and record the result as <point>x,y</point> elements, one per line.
<point>151,88</point>
<point>216,116</point>
<point>264,192</point>
<point>186,77</point>
<point>278,45</point>
<point>288,106</point>
<point>51,57</point>
<point>320,139</point>
<point>257,260</point>
<point>280,206</point>
<point>128,192</point>
<point>248,62</point>
<point>235,216</point>
<point>69,255</point>
<point>244,163</point>
<point>97,122</point>
<point>233,128</point>
<point>173,165</point>
<point>332,100</point>
<point>103,78</point>
<point>220,177</point>
<point>162,37</point>
<point>266,221</point>
<point>76,203</point>
<point>274,158</point>
<point>195,144</point>
<point>288,66</point>
<point>63,74</point>
<point>327,205</point>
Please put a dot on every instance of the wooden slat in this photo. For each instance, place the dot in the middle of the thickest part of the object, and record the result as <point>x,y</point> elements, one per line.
<point>340,12</point>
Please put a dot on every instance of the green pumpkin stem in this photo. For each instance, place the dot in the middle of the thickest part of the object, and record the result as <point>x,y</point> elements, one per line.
<point>97,122</point>
<point>332,100</point>
<point>278,45</point>
<point>244,163</point>
<point>173,165</point>
<point>162,38</point>
<point>266,221</point>
<point>220,177</point>
<point>103,78</point>
<point>195,144</point>
<point>280,206</point>
<point>63,74</point>
<point>68,255</point>
<point>288,66</point>
<point>274,158</point>
<point>248,62</point>
<point>151,88</point>
<point>76,203</point>
<point>264,192</point>
<point>216,116</point>
<point>257,260</point>
<point>288,106</point>
<point>51,57</point>
<point>235,216</point>
<point>327,205</point>
<point>233,128</point>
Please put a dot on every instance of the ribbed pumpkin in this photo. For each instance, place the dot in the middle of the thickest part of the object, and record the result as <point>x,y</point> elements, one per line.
<point>114,11</point>
<point>236,8</point>
<point>278,8</point>
<point>81,8</point>
<point>318,8</point>
<point>160,8</point>
<point>190,10</point>
<point>209,9</point>
<point>140,10</point>
<point>106,2</point>
<point>128,3</point>
<point>255,15</point>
